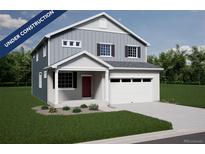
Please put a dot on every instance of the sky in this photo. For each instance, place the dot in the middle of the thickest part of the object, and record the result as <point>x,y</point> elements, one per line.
<point>162,29</point>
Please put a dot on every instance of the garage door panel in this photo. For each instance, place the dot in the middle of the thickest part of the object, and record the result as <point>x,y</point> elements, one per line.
<point>130,92</point>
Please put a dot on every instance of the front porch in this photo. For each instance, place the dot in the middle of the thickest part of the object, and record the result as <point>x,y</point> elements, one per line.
<point>61,93</point>
<point>80,79</point>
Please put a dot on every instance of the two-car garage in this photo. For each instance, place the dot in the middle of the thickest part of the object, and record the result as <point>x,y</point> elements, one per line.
<point>134,87</point>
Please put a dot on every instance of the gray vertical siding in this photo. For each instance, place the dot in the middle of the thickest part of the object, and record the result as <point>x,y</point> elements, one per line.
<point>37,67</point>
<point>89,41</point>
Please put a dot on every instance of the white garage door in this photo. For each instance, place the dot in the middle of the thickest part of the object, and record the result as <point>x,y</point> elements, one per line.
<point>131,90</point>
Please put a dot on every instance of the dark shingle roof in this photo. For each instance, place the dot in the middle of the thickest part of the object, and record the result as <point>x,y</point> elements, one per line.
<point>132,64</point>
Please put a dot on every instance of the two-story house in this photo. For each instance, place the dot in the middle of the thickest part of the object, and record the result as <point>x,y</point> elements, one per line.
<point>94,60</point>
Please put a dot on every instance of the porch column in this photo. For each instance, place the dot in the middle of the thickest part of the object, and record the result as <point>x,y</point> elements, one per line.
<point>107,86</point>
<point>56,86</point>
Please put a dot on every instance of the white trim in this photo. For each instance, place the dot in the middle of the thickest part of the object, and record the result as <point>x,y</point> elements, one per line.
<point>128,68</point>
<point>66,88</point>
<point>133,57</point>
<point>83,75</point>
<point>102,30</point>
<point>68,43</point>
<point>107,86</point>
<point>44,51</point>
<point>96,16</point>
<point>130,45</point>
<point>105,43</point>
<point>131,77</point>
<point>37,57</point>
<point>79,54</point>
<point>82,69</point>
<point>56,87</point>
<point>106,56</point>
<point>145,51</point>
<point>49,49</point>
<point>45,74</point>
<point>40,82</point>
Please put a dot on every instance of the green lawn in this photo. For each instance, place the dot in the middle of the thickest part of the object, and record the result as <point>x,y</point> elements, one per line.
<point>20,124</point>
<point>189,95</point>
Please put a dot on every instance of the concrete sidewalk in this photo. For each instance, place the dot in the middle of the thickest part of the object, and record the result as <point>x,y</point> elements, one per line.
<point>144,137</point>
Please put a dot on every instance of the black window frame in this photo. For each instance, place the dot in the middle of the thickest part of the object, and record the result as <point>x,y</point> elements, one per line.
<point>136,80</point>
<point>65,80</point>
<point>146,80</point>
<point>114,80</point>
<point>126,80</point>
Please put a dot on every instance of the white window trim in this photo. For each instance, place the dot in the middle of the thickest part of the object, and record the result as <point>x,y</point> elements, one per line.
<point>44,51</point>
<point>66,88</point>
<point>45,74</point>
<point>70,88</point>
<point>68,44</point>
<point>136,57</point>
<point>37,57</point>
<point>110,49</point>
<point>40,80</point>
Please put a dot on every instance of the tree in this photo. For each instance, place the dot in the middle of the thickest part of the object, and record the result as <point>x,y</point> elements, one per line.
<point>197,59</point>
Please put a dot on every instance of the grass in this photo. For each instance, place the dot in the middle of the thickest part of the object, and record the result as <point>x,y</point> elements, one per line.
<point>189,95</point>
<point>20,124</point>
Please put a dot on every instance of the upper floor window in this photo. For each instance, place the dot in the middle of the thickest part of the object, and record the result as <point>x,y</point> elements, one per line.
<point>71,43</point>
<point>132,52</point>
<point>105,50</point>
<point>44,51</point>
<point>36,56</point>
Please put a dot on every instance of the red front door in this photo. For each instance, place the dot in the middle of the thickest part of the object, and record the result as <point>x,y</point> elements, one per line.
<point>86,86</point>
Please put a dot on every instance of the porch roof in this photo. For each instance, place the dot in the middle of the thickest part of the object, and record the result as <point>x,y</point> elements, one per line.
<point>75,56</point>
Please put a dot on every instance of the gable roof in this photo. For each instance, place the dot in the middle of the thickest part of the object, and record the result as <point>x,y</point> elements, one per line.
<point>77,55</point>
<point>89,19</point>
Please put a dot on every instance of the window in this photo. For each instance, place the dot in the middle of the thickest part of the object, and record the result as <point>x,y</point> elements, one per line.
<point>147,80</point>
<point>77,44</point>
<point>114,80</point>
<point>44,51</point>
<point>132,52</point>
<point>136,80</point>
<point>36,57</point>
<point>126,80</point>
<point>65,80</point>
<point>105,49</point>
<point>65,43</point>
<point>40,80</point>
<point>45,74</point>
<point>71,43</point>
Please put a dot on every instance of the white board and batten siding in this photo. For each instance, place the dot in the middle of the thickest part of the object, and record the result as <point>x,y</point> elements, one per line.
<point>134,92</point>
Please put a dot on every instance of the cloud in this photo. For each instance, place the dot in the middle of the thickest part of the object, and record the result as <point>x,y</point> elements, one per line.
<point>7,21</point>
<point>1,37</point>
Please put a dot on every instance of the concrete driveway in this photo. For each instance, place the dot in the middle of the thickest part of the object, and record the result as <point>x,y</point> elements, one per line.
<point>181,117</point>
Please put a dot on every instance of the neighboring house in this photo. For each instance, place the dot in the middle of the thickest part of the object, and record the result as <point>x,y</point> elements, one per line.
<point>95,59</point>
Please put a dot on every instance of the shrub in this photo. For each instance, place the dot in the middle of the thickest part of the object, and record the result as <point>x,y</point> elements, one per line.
<point>84,106</point>
<point>76,110</point>
<point>44,107</point>
<point>93,107</point>
<point>66,108</point>
<point>52,110</point>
